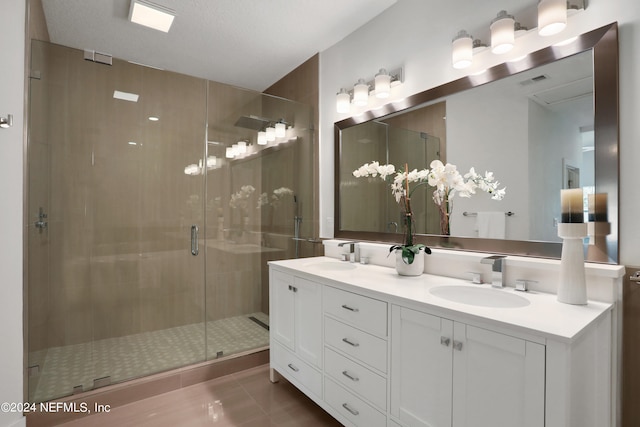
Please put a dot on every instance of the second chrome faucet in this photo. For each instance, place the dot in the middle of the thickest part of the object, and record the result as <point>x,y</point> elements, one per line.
<point>497,263</point>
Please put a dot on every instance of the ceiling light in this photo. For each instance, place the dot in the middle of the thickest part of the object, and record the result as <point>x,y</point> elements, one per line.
<point>383,84</point>
<point>361,93</point>
<point>125,96</point>
<point>281,130</point>
<point>343,101</point>
<point>151,15</point>
<point>502,33</point>
<point>462,54</point>
<point>6,122</point>
<point>153,119</point>
<point>552,16</point>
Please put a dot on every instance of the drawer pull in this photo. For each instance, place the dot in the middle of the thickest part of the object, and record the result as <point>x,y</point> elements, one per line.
<point>293,368</point>
<point>293,288</point>
<point>350,409</point>
<point>351,377</point>
<point>346,307</point>
<point>351,343</point>
<point>457,345</point>
<point>445,341</point>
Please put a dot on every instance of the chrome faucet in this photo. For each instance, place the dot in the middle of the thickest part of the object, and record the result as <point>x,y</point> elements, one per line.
<point>497,269</point>
<point>353,256</point>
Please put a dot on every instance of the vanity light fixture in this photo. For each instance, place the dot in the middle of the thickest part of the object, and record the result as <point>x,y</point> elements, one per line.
<point>379,86</point>
<point>462,55</point>
<point>502,33</point>
<point>241,147</point>
<point>151,15</point>
<point>552,16</point>
<point>382,84</point>
<point>520,29</point>
<point>230,152</point>
<point>6,122</point>
<point>478,45</point>
<point>361,93</point>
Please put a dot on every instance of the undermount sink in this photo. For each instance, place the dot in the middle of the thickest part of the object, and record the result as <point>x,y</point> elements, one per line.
<point>480,296</point>
<point>332,265</point>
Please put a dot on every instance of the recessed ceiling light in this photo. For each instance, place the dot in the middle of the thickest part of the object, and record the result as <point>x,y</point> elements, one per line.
<point>125,96</point>
<point>151,15</point>
<point>153,119</point>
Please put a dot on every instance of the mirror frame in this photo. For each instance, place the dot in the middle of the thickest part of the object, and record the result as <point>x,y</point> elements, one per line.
<point>604,44</point>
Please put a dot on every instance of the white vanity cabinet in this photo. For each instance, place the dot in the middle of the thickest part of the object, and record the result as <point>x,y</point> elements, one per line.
<point>446,373</point>
<point>296,329</point>
<point>375,349</point>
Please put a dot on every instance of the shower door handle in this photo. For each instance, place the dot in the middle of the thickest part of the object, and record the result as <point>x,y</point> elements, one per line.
<point>194,240</point>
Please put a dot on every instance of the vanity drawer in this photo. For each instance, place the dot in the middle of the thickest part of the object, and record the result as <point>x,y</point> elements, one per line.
<point>363,312</point>
<point>356,377</point>
<point>292,367</point>
<point>356,343</point>
<point>354,409</point>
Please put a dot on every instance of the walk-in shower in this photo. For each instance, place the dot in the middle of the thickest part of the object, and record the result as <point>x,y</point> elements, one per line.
<point>151,218</point>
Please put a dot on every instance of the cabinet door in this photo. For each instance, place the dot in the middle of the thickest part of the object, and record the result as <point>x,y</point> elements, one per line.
<point>421,363</point>
<point>281,310</point>
<point>498,380</point>
<point>308,320</point>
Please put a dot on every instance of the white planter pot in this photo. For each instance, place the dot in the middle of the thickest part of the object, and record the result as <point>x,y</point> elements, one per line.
<point>416,268</point>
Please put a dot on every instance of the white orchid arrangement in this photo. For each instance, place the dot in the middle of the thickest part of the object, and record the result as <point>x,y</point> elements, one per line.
<point>240,199</point>
<point>447,182</point>
<point>276,197</point>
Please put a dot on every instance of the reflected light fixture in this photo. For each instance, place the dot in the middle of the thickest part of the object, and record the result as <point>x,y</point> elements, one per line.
<point>262,138</point>
<point>361,93</point>
<point>241,147</point>
<point>552,16</point>
<point>230,153</point>
<point>343,101</point>
<point>281,130</point>
<point>462,54</point>
<point>502,33</point>
<point>382,84</point>
<point>153,118</point>
<point>6,122</point>
<point>271,134</point>
<point>478,45</point>
<point>151,15</point>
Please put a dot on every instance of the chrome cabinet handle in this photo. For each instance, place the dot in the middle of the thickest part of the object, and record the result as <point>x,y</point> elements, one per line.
<point>457,345</point>
<point>635,277</point>
<point>351,377</point>
<point>292,367</point>
<point>445,341</point>
<point>293,288</point>
<point>350,409</point>
<point>351,343</point>
<point>194,240</point>
<point>346,307</point>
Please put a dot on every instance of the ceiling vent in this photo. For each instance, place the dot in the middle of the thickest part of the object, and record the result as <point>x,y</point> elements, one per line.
<point>533,80</point>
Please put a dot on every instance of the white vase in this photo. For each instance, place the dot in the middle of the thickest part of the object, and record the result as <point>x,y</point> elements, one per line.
<point>572,288</point>
<point>416,268</point>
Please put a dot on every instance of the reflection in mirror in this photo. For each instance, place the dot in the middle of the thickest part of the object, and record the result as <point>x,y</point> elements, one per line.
<point>535,130</point>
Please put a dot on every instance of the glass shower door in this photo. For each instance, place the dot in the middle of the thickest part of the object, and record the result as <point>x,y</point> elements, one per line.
<point>115,288</point>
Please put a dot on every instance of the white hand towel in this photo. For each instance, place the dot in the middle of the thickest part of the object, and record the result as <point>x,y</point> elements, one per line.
<point>491,225</point>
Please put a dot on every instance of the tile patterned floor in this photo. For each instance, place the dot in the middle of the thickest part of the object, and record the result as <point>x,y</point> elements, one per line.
<point>133,356</point>
<point>244,399</point>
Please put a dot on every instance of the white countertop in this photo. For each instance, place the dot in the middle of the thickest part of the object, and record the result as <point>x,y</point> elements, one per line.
<point>544,316</point>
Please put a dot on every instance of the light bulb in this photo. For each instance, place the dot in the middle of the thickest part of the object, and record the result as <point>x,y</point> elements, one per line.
<point>361,93</point>
<point>383,84</point>
<point>552,17</point>
<point>281,130</point>
<point>271,134</point>
<point>502,33</point>
<point>262,138</point>
<point>462,54</point>
<point>343,101</point>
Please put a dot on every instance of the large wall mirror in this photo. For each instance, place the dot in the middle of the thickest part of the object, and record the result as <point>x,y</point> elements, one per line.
<point>542,124</point>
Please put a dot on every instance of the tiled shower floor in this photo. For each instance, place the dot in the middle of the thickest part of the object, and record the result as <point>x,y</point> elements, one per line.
<point>122,358</point>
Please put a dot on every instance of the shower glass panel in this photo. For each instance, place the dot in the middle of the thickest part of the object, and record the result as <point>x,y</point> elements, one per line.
<point>377,141</point>
<point>118,286</point>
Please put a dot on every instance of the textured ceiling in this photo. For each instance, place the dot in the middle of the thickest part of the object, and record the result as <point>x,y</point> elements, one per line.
<point>247,43</point>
